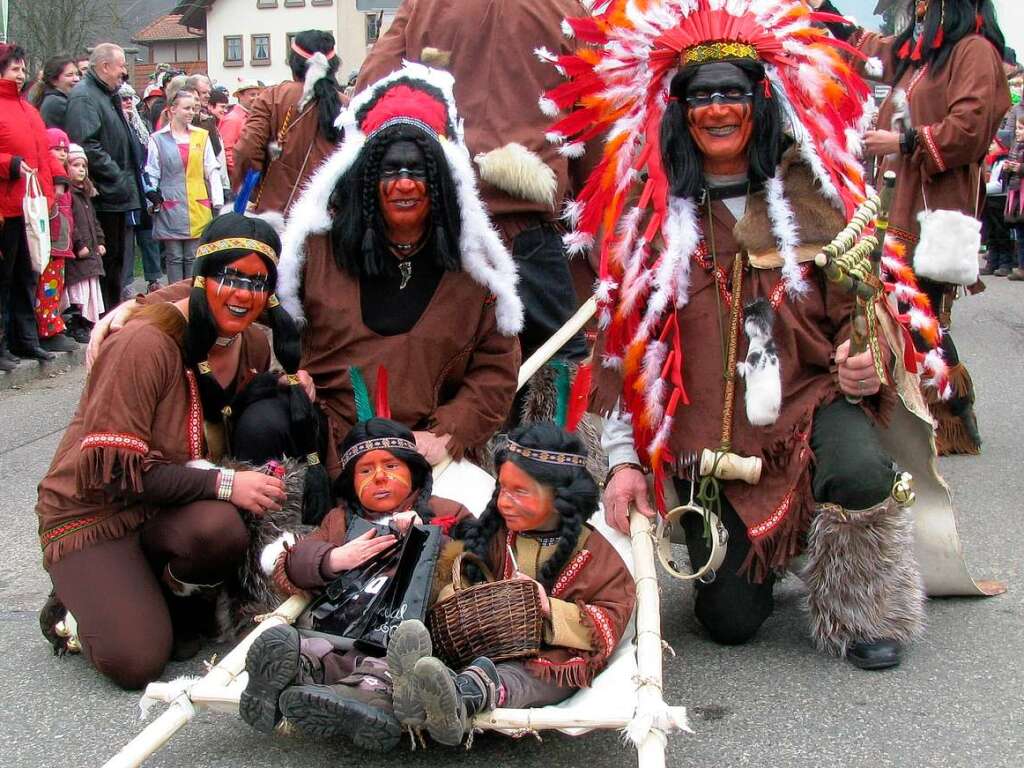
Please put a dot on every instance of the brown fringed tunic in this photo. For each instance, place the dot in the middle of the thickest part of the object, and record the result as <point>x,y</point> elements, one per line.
<point>140,408</point>
<point>778,510</point>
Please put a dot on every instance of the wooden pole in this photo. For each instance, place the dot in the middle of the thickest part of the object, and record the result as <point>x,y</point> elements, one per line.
<point>548,349</point>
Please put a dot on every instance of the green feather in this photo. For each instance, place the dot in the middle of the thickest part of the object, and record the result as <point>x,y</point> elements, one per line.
<point>360,394</point>
<point>562,384</point>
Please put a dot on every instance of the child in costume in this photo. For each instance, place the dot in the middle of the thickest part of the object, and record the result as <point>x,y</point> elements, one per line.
<point>50,288</point>
<point>534,528</point>
<point>324,691</point>
<point>82,300</point>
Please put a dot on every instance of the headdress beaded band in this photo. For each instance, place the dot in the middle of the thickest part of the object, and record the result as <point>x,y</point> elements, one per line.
<point>404,120</point>
<point>376,444</point>
<point>548,457</point>
<point>721,51</point>
<point>236,243</point>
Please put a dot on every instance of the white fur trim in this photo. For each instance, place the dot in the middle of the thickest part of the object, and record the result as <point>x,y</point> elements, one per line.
<point>521,173</point>
<point>948,249</point>
<point>787,234</point>
<point>273,218</point>
<point>316,69</point>
<point>274,550</point>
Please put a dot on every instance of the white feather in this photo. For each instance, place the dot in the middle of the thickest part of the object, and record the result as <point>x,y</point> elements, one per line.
<point>787,234</point>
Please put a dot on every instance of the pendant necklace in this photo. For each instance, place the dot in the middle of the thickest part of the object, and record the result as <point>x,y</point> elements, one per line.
<point>405,267</point>
<point>404,252</point>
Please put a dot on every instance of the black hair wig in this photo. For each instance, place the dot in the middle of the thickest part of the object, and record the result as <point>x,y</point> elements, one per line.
<point>201,335</point>
<point>419,467</point>
<point>326,89</point>
<point>958,19</point>
<point>575,495</point>
<point>680,156</point>
<point>358,238</point>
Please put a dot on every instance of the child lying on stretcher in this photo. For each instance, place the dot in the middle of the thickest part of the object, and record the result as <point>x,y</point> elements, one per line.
<point>323,690</point>
<point>534,528</point>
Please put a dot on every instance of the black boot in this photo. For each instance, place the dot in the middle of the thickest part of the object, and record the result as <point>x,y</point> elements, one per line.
<point>880,654</point>
<point>273,663</point>
<point>450,701</point>
<point>365,716</point>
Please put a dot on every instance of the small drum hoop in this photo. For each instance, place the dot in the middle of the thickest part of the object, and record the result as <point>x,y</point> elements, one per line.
<point>719,543</point>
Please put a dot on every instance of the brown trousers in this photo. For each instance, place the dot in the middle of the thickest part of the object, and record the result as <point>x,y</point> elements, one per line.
<point>113,588</point>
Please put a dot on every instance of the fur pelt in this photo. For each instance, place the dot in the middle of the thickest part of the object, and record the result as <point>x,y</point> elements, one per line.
<point>761,369</point>
<point>948,249</point>
<point>816,219</point>
<point>52,612</point>
<point>862,576</point>
<point>521,173</point>
<point>435,57</point>
<point>253,593</point>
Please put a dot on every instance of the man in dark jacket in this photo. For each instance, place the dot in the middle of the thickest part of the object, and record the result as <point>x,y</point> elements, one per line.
<point>96,122</point>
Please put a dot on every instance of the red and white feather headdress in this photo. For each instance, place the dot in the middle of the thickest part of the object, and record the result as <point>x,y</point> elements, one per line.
<point>619,89</point>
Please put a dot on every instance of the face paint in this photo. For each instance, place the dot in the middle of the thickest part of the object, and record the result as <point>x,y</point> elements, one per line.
<point>523,503</point>
<point>402,191</point>
<point>238,295</point>
<point>382,481</point>
<point>720,115</point>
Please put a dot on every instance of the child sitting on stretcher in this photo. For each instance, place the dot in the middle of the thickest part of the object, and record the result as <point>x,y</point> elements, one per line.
<point>535,528</point>
<point>324,691</point>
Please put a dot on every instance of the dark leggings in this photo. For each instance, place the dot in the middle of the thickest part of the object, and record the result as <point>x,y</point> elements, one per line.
<point>851,469</point>
<point>114,588</point>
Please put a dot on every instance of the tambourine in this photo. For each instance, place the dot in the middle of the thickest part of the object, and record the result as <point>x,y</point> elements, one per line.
<point>670,523</point>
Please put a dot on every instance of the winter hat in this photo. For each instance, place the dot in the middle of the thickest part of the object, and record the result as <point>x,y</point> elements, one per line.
<point>57,139</point>
<point>75,152</point>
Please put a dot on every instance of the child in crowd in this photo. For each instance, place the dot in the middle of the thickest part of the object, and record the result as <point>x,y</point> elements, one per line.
<point>321,690</point>
<point>1013,170</point>
<point>82,300</point>
<point>50,288</point>
<point>535,528</point>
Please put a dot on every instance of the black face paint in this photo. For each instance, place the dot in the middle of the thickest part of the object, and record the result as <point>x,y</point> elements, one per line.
<point>720,81</point>
<point>403,159</point>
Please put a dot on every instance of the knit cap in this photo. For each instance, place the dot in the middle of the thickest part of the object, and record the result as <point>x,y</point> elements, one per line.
<point>57,139</point>
<point>75,152</point>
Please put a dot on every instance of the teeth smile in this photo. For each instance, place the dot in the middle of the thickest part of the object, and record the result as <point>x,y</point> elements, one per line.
<point>722,130</point>
<point>238,311</point>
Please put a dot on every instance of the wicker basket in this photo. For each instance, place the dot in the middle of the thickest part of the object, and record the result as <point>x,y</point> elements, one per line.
<point>498,619</point>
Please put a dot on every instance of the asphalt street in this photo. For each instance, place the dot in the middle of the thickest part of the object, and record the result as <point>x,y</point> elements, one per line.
<point>957,701</point>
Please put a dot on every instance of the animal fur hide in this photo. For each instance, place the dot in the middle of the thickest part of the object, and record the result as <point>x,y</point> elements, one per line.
<point>253,593</point>
<point>862,577</point>
<point>761,366</point>
<point>521,173</point>
<point>948,249</point>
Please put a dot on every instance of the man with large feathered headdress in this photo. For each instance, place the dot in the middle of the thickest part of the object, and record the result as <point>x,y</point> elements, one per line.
<point>730,160</point>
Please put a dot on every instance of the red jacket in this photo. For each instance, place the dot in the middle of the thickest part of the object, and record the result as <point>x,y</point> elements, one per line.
<point>22,135</point>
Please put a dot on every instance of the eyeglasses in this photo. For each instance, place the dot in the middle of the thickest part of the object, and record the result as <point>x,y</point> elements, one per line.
<point>732,96</point>
<point>237,281</point>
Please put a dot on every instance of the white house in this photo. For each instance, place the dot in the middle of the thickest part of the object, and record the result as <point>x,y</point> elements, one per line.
<point>250,39</point>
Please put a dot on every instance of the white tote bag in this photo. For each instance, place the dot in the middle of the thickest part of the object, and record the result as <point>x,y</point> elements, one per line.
<point>37,223</point>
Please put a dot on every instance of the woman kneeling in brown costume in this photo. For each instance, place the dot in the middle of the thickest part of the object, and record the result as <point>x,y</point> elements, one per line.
<point>132,535</point>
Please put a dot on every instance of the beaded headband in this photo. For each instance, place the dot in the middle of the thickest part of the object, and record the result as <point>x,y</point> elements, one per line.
<point>375,444</point>
<point>721,51</point>
<point>236,244</point>
<point>404,120</point>
<point>548,457</point>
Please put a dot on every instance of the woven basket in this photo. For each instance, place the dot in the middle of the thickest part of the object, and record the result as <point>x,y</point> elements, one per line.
<point>498,619</point>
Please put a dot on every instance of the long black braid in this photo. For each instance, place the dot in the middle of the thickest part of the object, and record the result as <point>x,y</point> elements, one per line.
<point>325,89</point>
<point>358,237</point>
<point>575,495</point>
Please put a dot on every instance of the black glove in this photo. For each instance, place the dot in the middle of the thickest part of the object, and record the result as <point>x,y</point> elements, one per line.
<point>15,169</point>
<point>155,198</point>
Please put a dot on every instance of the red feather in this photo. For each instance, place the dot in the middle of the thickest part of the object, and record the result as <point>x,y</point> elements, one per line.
<point>579,397</point>
<point>383,408</point>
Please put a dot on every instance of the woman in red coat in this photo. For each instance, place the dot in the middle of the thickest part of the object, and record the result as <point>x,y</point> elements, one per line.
<point>23,149</point>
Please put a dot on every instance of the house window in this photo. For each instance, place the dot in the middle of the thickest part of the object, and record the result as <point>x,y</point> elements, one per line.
<point>294,3</point>
<point>233,51</point>
<point>373,27</point>
<point>266,3</point>
<point>260,50</point>
<point>321,2</point>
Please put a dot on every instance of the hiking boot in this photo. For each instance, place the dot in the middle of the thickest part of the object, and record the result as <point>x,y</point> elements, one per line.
<point>450,701</point>
<point>363,716</point>
<point>58,343</point>
<point>409,644</point>
<point>273,664</point>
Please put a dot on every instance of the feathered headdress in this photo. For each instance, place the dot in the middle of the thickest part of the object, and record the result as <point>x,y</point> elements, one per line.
<point>619,88</point>
<point>424,97</point>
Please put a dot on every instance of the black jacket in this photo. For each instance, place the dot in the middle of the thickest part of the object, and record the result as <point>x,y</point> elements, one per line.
<point>53,108</point>
<point>95,120</point>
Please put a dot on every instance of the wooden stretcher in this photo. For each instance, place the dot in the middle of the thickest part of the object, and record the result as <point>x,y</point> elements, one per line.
<point>626,696</point>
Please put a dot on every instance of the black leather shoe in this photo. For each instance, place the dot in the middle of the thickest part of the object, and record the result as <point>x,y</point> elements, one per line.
<point>6,365</point>
<point>38,353</point>
<point>881,654</point>
<point>58,343</point>
<point>5,354</point>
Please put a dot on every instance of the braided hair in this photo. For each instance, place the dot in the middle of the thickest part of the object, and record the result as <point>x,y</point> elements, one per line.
<point>957,19</point>
<point>201,335</point>
<point>575,495</point>
<point>325,89</point>
<point>358,237</point>
<point>419,467</point>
